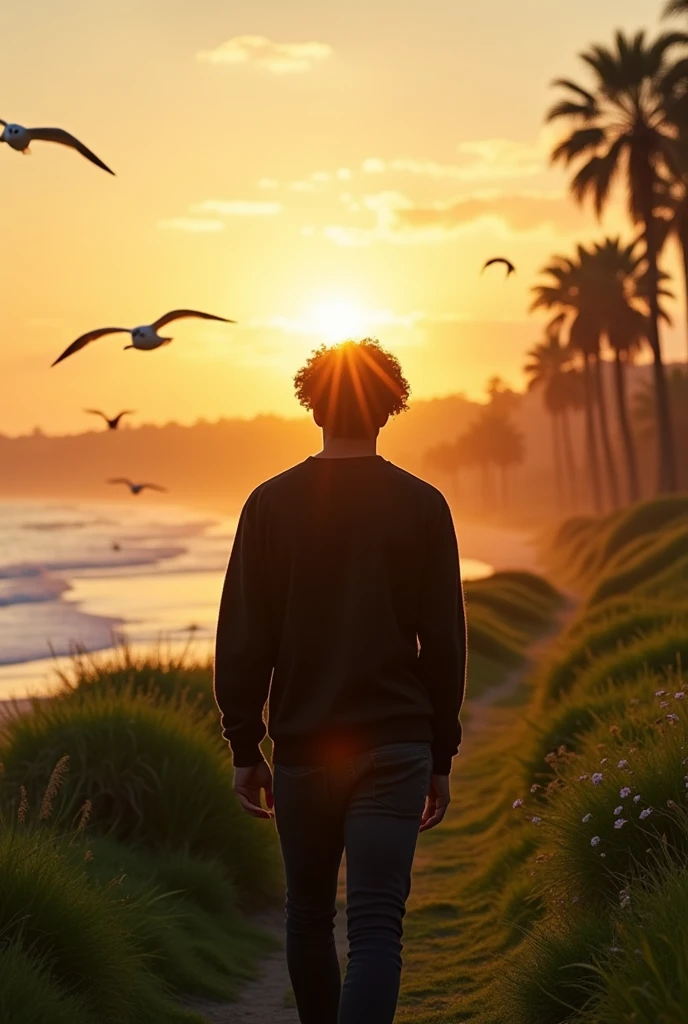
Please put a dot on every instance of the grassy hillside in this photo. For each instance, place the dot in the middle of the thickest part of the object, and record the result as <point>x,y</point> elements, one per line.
<point>557,894</point>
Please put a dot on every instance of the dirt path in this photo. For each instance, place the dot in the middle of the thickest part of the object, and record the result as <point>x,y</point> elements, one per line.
<point>267,999</point>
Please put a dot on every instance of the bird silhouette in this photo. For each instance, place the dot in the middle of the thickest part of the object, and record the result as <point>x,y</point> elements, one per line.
<point>112,423</point>
<point>19,138</point>
<point>510,268</point>
<point>144,338</point>
<point>137,488</point>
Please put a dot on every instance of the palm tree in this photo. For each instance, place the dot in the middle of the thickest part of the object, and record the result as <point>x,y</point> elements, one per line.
<point>562,293</point>
<point>548,370</point>
<point>620,129</point>
<point>644,413</point>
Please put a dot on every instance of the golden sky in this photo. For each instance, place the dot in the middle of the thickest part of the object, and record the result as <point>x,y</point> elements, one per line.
<point>311,170</point>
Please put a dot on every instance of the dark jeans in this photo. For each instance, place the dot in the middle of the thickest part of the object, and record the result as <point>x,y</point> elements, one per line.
<point>369,806</point>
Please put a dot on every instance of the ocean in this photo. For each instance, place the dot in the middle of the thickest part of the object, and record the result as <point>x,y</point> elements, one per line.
<point>89,575</point>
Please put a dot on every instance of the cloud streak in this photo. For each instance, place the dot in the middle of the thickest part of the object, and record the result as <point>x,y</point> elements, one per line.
<point>192,225</point>
<point>238,207</point>
<point>278,58</point>
<point>484,160</point>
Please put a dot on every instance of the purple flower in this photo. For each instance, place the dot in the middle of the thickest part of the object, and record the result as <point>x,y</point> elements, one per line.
<point>517,803</point>
<point>619,823</point>
<point>597,778</point>
<point>679,696</point>
<point>623,763</point>
<point>595,841</point>
<point>659,693</point>
<point>535,820</point>
<point>664,703</point>
<point>672,717</point>
<point>618,810</point>
<point>637,798</point>
<point>646,813</point>
<point>624,792</point>
<point>586,818</point>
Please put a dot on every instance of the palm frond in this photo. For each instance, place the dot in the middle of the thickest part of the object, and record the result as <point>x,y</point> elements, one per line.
<point>566,83</point>
<point>583,140</point>
<point>675,8</point>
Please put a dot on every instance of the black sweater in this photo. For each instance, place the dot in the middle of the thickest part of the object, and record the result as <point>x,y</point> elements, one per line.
<point>343,589</point>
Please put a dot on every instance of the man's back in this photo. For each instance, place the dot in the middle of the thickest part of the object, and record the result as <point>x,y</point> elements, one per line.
<point>340,568</point>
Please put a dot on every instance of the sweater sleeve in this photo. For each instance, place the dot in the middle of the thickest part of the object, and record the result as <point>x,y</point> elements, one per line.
<point>443,641</point>
<point>244,649</point>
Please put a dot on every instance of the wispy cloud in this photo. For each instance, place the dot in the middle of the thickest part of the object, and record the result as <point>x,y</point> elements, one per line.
<point>484,160</point>
<point>279,58</point>
<point>399,220</point>
<point>194,225</point>
<point>238,207</point>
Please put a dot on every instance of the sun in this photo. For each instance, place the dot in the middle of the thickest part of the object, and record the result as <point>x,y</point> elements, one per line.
<point>337,319</point>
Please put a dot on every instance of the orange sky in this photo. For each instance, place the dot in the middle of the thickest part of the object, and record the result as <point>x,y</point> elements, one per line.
<point>309,169</point>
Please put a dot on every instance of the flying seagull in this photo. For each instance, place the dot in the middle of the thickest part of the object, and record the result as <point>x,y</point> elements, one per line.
<point>20,138</point>
<point>112,423</point>
<point>137,488</point>
<point>144,338</point>
<point>510,268</point>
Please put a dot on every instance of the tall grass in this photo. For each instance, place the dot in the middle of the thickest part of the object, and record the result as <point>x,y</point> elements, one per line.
<point>152,776</point>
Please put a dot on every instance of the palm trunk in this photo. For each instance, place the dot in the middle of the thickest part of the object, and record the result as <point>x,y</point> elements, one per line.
<point>569,458</point>
<point>625,427</point>
<point>601,397</point>
<point>666,475</point>
<point>683,240</point>
<point>556,451</point>
<point>591,436</point>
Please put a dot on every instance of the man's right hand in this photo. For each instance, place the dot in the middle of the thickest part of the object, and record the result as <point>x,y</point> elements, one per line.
<point>436,803</point>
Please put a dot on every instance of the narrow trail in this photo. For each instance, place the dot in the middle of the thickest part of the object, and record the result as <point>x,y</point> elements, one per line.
<point>268,998</point>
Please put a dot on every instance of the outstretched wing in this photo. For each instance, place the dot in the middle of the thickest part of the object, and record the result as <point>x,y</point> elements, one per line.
<point>510,268</point>
<point>65,139</point>
<point>154,487</point>
<point>183,314</point>
<point>3,123</point>
<point>97,412</point>
<point>121,480</point>
<point>125,412</point>
<point>85,339</point>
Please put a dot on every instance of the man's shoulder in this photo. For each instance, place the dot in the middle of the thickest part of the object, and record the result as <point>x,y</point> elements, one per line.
<point>275,486</point>
<point>414,484</point>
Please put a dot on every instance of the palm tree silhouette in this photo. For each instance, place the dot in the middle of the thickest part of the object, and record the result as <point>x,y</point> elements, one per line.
<point>549,370</point>
<point>620,129</point>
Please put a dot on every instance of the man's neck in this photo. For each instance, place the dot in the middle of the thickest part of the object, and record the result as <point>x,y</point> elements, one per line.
<point>347,447</point>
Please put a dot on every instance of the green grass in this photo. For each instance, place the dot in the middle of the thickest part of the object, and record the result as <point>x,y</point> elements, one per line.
<point>649,563</point>
<point>153,776</point>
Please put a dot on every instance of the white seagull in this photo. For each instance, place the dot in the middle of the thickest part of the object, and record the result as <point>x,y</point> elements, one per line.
<point>144,338</point>
<point>137,488</point>
<point>20,138</point>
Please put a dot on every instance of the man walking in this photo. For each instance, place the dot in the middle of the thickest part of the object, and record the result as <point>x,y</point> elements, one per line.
<point>343,611</point>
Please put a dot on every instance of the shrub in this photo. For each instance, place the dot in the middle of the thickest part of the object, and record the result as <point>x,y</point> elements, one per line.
<point>30,994</point>
<point>176,679</point>
<point>663,649</point>
<point>651,562</point>
<point>154,777</point>
<point>613,633</point>
<point>87,937</point>
<point>645,978</point>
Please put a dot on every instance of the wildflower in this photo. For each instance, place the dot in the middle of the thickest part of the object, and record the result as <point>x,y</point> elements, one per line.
<point>586,818</point>
<point>517,803</point>
<point>584,778</point>
<point>618,810</point>
<point>624,792</point>
<point>595,841</point>
<point>604,760</point>
<point>672,717</point>
<point>619,823</point>
<point>623,763</point>
<point>550,758</point>
<point>660,693</point>
<point>603,855</point>
<point>534,788</point>
<point>646,813</point>
<point>679,696</point>
<point>637,798</point>
<point>624,899</point>
<point>597,778</point>
<point>535,820</point>
<point>664,704</point>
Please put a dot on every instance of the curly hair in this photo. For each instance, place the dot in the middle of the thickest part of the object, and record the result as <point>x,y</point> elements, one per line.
<point>352,388</point>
